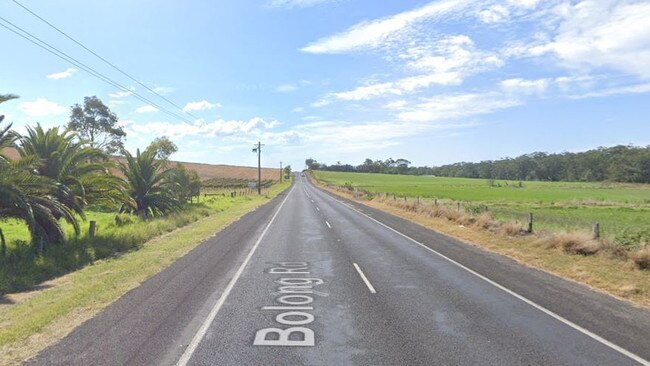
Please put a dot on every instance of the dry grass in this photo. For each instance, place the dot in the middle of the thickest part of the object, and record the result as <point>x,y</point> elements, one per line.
<point>607,271</point>
<point>575,243</point>
<point>486,221</point>
<point>641,258</point>
<point>511,228</point>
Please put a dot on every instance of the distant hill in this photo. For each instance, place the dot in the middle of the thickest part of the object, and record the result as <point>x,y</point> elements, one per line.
<point>208,171</point>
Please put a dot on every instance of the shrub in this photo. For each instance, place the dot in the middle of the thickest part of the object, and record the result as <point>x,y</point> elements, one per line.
<point>633,239</point>
<point>512,228</point>
<point>575,243</point>
<point>121,220</point>
<point>465,219</point>
<point>486,221</point>
<point>641,258</point>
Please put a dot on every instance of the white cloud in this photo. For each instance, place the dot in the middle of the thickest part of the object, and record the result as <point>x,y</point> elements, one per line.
<point>41,107</point>
<point>121,94</point>
<point>219,127</point>
<point>527,4</point>
<point>163,90</point>
<point>62,75</point>
<point>112,103</point>
<point>398,104</point>
<point>146,109</point>
<point>494,14</point>
<point>321,103</point>
<point>373,33</point>
<point>200,106</point>
<point>522,86</point>
<point>607,92</point>
<point>295,3</point>
<point>443,107</point>
<point>447,62</point>
<point>368,91</point>
<point>602,34</point>
<point>298,110</point>
<point>286,88</point>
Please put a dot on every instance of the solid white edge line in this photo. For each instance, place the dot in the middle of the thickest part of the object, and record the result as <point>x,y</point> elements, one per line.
<point>189,351</point>
<point>573,325</point>
<point>363,277</point>
<point>328,224</point>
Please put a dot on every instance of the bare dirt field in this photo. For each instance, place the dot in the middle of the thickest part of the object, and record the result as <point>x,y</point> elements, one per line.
<point>209,171</point>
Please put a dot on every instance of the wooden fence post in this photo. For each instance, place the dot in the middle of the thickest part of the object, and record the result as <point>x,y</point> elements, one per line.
<point>595,231</point>
<point>458,205</point>
<point>3,244</point>
<point>530,223</point>
<point>92,229</point>
<point>435,202</point>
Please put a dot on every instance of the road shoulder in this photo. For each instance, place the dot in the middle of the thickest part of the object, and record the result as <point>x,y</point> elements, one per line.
<point>71,300</point>
<point>616,320</point>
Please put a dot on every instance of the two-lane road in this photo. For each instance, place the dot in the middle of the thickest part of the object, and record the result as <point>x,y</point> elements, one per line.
<point>314,280</point>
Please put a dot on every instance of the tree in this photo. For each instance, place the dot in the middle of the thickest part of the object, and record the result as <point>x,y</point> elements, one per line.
<point>94,122</point>
<point>73,163</point>
<point>287,171</point>
<point>6,97</point>
<point>7,138</point>
<point>164,147</point>
<point>32,198</point>
<point>35,199</point>
<point>312,164</point>
<point>151,190</point>
<point>184,183</point>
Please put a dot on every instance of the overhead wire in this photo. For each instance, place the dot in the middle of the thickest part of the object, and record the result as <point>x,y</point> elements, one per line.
<point>64,56</point>
<point>103,59</point>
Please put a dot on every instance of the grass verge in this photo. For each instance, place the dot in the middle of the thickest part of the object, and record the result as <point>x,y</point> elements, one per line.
<point>603,272</point>
<point>29,322</point>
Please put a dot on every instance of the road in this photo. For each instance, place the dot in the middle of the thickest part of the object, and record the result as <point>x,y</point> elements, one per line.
<point>314,279</point>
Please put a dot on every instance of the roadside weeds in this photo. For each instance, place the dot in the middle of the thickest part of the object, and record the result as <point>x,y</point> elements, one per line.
<point>40,318</point>
<point>571,255</point>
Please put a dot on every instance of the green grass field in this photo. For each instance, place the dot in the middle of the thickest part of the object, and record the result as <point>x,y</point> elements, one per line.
<point>34,320</point>
<point>556,205</point>
<point>23,269</point>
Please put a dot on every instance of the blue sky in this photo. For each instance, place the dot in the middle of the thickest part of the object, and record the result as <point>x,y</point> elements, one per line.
<point>341,80</point>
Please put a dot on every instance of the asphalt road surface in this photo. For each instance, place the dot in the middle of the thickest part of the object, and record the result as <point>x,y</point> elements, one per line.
<point>314,279</point>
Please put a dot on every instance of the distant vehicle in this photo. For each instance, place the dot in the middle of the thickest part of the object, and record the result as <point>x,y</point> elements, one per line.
<point>302,174</point>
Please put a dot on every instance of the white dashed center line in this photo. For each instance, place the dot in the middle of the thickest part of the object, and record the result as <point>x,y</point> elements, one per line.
<point>363,277</point>
<point>328,224</point>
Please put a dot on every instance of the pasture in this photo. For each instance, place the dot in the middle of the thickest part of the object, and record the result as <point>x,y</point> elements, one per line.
<point>622,210</point>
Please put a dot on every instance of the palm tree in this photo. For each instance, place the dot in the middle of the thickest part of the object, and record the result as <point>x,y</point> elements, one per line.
<point>30,197</point>
<point>73,163</point>
<point>34,199</point>
<point>150,188</point>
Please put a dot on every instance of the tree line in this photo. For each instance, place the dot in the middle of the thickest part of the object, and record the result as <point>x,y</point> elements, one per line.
<point>62,172</point>
<point>622,163</point>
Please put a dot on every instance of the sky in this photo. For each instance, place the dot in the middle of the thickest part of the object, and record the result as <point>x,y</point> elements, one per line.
<point>342,80</point>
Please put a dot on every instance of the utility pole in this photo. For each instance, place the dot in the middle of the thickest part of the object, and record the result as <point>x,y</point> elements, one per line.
<point>281,173</point>
<point>258,150</point>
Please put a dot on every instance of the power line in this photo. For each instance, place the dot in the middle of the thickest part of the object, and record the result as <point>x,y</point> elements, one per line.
<point>64,56</point>
<point>102,58</point>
